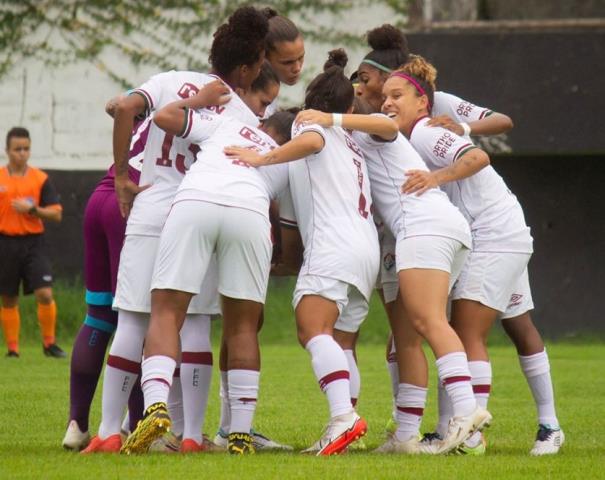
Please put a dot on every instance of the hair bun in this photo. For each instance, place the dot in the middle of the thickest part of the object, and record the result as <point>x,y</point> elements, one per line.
<point>336,58</point>
<point>269,12</point>
<point>387,37</point>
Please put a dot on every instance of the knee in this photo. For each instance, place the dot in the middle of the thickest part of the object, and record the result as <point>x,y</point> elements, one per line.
<point>44,296</point>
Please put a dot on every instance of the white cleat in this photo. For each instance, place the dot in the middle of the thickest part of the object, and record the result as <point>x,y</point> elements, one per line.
<point>410,446</point>
<point>459,429</point>
<point>74,438</point>
<point>167,443</point>
<point>548,441</point>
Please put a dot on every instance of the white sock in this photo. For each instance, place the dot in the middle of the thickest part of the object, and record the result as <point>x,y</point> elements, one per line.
<point>481,379</point>
<point>196,373</point>
<point>243,394</point>
<point>225,418</point>
<point>332,372</point>
<point>125,423</point>
<point>411,400</point>
<point>452,370</point>
<point>122,369</point>
<point>445,409</point>
<point>537,372</point>
<point>156,378</point>
<point>393,369</point>
<point>175,404</point>
<point>354,377</point>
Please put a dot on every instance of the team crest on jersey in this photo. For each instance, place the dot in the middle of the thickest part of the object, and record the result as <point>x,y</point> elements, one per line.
<point>388,261</point>
<point>187,90</point>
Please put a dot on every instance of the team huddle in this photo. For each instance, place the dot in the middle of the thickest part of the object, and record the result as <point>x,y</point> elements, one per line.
<point>374,185</point>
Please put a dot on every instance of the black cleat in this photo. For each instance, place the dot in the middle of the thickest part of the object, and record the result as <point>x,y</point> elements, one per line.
<point>53,350</point>
<point>12,354</point>
<point>240,444</point>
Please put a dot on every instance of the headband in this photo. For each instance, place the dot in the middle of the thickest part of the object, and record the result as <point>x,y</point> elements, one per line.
<point>377,65</point>
<point>413,81</point>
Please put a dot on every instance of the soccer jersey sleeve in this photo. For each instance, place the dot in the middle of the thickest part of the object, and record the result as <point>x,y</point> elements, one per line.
<point>48,195</point>
<point>457,108</point>
<point>287,216</point>
<point>439,146</point>
<point>199,126</point>
<point>152,89</point>
<point>298,129</point>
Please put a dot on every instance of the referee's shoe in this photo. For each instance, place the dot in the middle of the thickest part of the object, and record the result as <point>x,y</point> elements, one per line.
<point>53,350</point>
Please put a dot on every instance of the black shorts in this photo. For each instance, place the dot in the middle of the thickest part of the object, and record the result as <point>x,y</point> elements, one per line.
<point>23,258</point>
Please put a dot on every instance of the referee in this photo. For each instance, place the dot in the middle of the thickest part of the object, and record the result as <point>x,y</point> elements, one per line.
<point>26,198</point>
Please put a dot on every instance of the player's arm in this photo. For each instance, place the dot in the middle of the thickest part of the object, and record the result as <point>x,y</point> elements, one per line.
<point>49,208</point>
<point>378,125</point>
<point>305,144</point>
<point>492,124</point>
<point>467,164</point>
<point>125,110</point>
<point>172,118</point>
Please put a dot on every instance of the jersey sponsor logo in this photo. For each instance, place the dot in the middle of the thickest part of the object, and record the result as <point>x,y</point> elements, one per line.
<point>187,90</point>
<point>388,261</point>
<point>464,109</point>
<point>218,109</point>
<point>443,144</point>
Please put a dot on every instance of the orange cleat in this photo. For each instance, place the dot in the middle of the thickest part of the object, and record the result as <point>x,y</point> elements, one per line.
<point>189,445</point>
<point>111,444</point>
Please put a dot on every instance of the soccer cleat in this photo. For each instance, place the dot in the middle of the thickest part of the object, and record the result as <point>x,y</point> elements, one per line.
<point>111,444</point>
<point>261,442</point>
<point>459,429</point>
<point>53,350</point>
<point>210,446</point>
<point>393,445</point>
<point>339,434</point>
<point>154,424</point>
<point>167,443</point>
<point>240,444</point>
<point>548,441</point>
<point>189,445</point>
<point>12,354</point>
<point>74,438</point>
<point>221,439</point>
<point>468,447</point>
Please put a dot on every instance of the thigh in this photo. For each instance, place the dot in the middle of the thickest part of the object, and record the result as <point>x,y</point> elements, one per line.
<point>97,273</point>
<point>243,253</point>
<point>424,293</point>
<point>10,273</point>
<point>114,227</point>
<point>36,268</point>
<point>188,239</point>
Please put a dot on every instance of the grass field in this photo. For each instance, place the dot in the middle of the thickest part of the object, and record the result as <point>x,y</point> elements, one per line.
<point>34,404</point>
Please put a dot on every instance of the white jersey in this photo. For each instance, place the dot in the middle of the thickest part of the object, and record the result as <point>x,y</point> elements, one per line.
<point>457,108</point>
<point>493,212</point>
<point>166,158</point>
<point>331,196</point>
<point>216,178</point>
<point>408,215</point>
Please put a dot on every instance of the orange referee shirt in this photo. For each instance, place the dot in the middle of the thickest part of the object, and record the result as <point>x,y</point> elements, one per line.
<point>35,186</point>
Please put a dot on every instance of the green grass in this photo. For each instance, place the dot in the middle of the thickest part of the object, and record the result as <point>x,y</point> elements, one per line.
<point>34,400</point>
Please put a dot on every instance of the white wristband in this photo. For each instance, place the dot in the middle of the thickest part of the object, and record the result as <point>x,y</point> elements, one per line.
<point>337,119</point>
<point>466,128</point>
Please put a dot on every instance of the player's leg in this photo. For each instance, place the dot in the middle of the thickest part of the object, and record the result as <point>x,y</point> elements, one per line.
<point>535,365</point>
<point>348,342</point>
<point>90,344</point>
<point>317,302</point>
<point>412,378</point>
<point>12,252</point>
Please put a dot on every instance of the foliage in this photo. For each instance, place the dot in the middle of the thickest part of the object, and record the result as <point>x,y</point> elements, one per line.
<point>145,32</point>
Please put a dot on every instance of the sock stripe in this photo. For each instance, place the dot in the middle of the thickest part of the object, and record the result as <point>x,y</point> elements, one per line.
<point>247,400</point>
<point>461,378</point>
<point>124,364</point>
<point>482,388</point>
<point>392,357</point>
<point>99,298</point>
<point>332,377</point>
<point>418,411</point>
<point>99,324</point>
<point>198,358</point>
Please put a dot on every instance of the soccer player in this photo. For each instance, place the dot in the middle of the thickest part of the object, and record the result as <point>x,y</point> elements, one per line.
<point>221,206</point>
<point>236,56</point>
<point>27,199</point>
<point>103,238</point>
<point>502,242</point>
<point>331,200</point>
